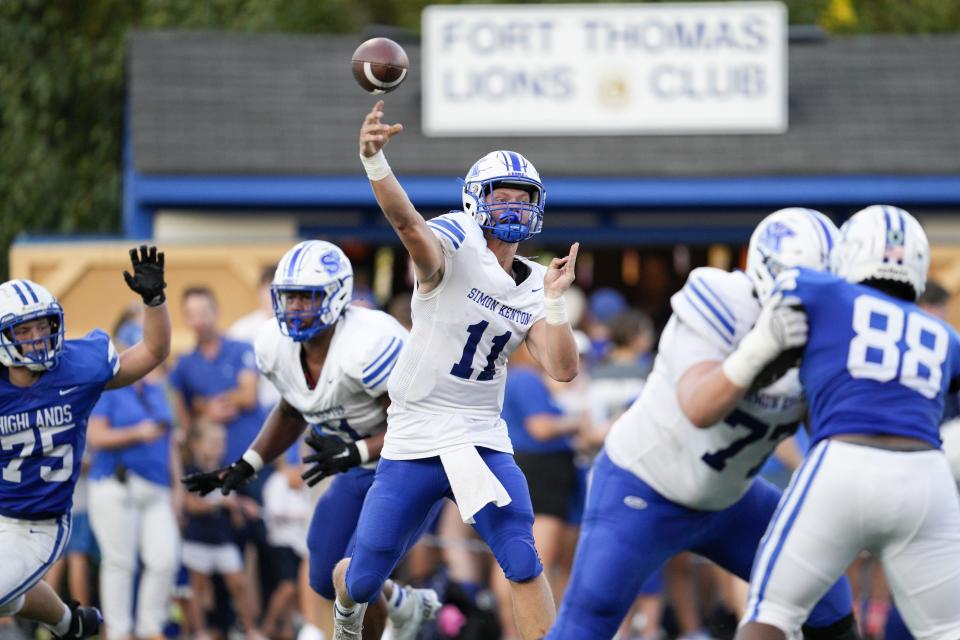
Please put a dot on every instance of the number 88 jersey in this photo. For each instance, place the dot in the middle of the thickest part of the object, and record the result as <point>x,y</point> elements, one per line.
<point>447,387</point>
<point>873,364</point>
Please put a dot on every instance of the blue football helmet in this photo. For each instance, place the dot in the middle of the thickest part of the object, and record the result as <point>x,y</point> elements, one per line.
<point>24,301</point>
<point>506,221</point>
<point>322,271</point>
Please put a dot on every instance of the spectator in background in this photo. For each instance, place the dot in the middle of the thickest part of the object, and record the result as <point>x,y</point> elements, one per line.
<point>209,544</point>
<point>618,378</point>
<point>603,306</point>
<point>287,511</point>
<point>217,381</point>
<point>246,328</point>
<point>133,468</point>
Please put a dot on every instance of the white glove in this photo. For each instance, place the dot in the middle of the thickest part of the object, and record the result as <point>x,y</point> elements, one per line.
<point>781,326</point>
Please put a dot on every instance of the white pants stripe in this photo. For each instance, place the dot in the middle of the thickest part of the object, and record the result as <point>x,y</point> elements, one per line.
<point>29,550</point>
<point>902,507</point>
<point>783,518</point>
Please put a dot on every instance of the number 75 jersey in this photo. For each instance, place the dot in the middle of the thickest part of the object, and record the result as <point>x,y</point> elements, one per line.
<point>873,364</point>
<point>447,388</point>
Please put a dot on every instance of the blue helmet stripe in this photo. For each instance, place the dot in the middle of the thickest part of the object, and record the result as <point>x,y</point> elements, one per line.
<point>515,161</point>
<point>23,298</point>
<point>886,217</point>
<point>293,261</point>
<point>26,285</point>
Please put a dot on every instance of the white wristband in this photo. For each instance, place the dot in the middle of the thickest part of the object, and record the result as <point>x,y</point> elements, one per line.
<point>376,165</point>
<point>743,365</point>
<point>253,458</point>
<point>363,450</point>
<point>555,310</point>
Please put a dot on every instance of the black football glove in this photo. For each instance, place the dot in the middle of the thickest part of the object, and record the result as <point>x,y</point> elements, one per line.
<point>147,278</point>
<point>226,479</point>
<point>332,456</point>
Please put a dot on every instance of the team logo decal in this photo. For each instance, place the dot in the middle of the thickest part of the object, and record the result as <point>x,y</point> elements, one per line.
<point>331,262</point>
<point>774,234</point>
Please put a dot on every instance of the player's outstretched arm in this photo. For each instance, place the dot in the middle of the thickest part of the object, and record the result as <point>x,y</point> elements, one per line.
<point>280,430</point>
<point>708,391</point>
<point>422,245</point>
<point>147,280</point>
<point>551,340</point>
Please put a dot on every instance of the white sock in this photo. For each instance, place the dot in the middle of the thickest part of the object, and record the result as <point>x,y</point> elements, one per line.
<point>63,626</point>
<point>344,612</point>
<point>397,597</point>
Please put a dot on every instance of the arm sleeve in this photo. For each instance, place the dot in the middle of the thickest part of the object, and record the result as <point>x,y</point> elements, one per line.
<point>449,229</point>
<point>702,307</point>
<point>378,362</point>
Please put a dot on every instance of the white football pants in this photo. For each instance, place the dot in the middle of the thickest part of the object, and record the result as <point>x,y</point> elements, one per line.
<point>902,507</point>
<point>29,548</point>
<point>130,520</point>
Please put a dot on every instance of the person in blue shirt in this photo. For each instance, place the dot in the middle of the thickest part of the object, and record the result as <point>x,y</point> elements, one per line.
<point>131,509</point>
<point>217,381</point>
<point>875,370</point>
<point>48,388</point>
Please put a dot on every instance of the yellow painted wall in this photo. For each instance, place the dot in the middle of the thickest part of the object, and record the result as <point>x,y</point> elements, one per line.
<point>87,278</point>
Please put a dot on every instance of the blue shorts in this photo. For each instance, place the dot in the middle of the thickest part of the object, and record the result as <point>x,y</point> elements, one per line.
<point>629,531</point>
<point>404,496</point>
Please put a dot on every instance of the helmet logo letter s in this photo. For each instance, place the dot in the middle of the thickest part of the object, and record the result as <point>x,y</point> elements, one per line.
<point>331,262</point>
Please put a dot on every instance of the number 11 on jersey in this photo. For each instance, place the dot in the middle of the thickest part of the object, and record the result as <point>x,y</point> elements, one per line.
<point>463,368</point>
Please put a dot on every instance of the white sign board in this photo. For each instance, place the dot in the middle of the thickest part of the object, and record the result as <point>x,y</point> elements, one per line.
<point>605,69</point>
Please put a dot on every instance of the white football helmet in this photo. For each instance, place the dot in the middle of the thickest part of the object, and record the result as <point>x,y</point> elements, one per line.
<point>23,301</point>
<point>321,269</point>
<point>884,243</point>
<point>506,221</point>
<point>792,237</point>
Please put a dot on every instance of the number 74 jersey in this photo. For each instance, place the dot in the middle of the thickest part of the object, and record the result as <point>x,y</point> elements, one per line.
<point>873,364</point>
<point>447,387</point>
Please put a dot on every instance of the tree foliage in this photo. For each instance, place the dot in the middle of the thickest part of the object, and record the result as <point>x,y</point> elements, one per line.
<point>62,83</point>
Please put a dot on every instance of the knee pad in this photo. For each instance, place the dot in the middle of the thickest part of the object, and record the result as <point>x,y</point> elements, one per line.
<point>843,629</point>
<point>364,587</point>
<point>12,607</point>
<point>519,559</point>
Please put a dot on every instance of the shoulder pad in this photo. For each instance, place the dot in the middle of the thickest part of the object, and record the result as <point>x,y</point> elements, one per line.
<point>265,347</point>
<point>717,304</point>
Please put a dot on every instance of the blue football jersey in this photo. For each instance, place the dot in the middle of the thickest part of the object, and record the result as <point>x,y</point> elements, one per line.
<point>873,364</point>
<point>43,429</point>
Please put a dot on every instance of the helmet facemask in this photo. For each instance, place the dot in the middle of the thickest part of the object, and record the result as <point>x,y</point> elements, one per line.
<point>323,307</point>
<point>36,354</point>
<point>511,221</point>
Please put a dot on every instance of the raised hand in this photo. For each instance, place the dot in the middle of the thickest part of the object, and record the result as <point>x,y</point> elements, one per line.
<point>561,273</point>
<point>147,279</point>
<point>374,134</point>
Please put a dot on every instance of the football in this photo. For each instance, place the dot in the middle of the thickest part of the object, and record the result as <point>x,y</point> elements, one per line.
<point>380,65</point>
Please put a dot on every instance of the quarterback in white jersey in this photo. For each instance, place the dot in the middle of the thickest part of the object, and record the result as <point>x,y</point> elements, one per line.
<point>678,468</point>
<point>330,362</point>
<point>475,302</point>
